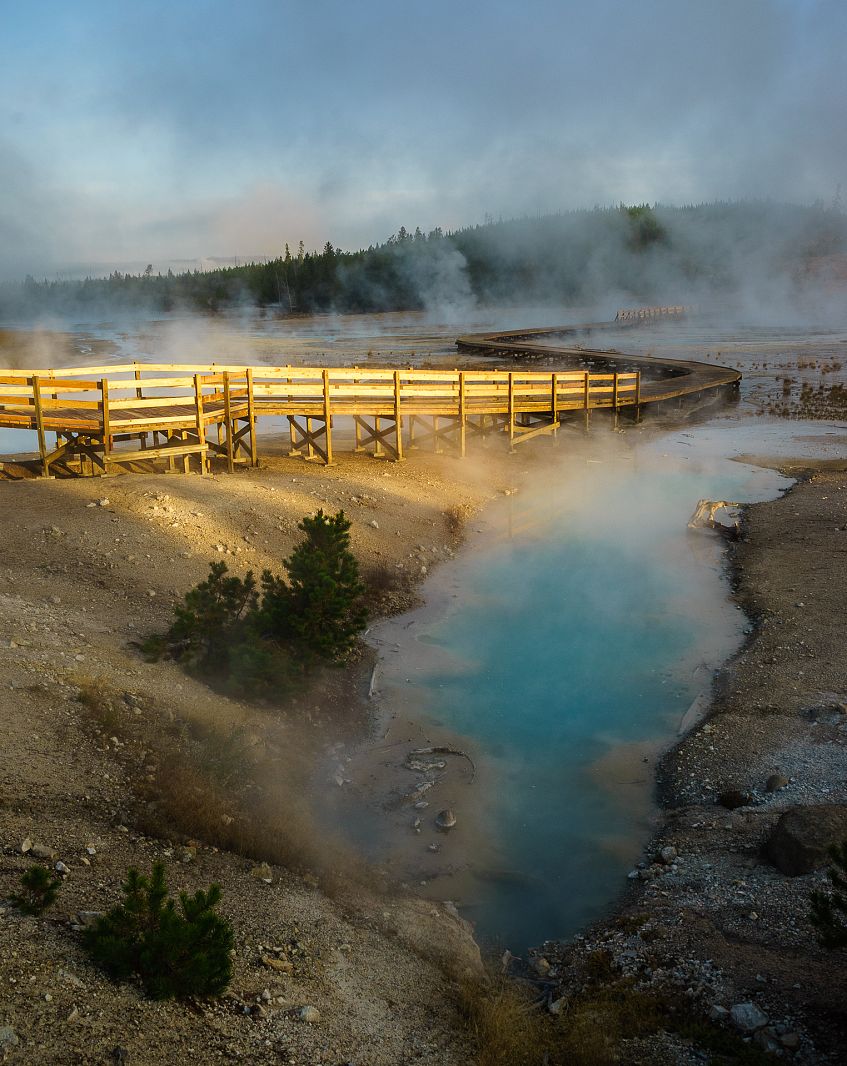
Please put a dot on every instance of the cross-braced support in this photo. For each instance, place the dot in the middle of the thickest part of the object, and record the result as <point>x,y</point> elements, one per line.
<point>312,436</point>
<point>385,433</point>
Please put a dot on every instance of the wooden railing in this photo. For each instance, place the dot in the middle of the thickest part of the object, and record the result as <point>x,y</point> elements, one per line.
<point>93,408</point>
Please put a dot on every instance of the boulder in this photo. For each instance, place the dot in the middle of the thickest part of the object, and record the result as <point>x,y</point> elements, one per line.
<point>802,837</point>
<point>776,782</point>
<point>747,1017</point>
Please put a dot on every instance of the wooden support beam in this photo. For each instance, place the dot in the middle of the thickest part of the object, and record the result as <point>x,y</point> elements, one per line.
<point>327,419</point>
<point>251,415</point>
<point>638,396</point>
<point>198,421</point>
<point>462,415</point>
<point>107,429</point>
<point>230,455</point>
<point>39,426</point>
<point>511,408</point>
<point>398,420</point>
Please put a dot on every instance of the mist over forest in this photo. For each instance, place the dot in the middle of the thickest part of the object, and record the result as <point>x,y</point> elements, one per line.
<point>749,252</point>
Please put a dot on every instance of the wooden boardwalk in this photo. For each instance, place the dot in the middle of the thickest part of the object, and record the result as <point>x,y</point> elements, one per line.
<point>92,420</point>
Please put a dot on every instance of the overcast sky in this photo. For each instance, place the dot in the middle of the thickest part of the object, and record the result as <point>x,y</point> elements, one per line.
<point>193,128</point>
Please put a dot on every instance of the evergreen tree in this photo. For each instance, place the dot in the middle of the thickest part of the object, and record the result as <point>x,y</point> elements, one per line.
<point>320,606</point>
<point>174,954</point>
<point>39,890</point>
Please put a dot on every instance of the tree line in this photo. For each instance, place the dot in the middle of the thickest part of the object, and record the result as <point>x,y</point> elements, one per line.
<point>569,257</point>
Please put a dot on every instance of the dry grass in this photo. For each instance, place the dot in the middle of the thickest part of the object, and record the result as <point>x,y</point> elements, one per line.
<point>506,1026</point>
<point>603,1022</point>
<point>226,787</point>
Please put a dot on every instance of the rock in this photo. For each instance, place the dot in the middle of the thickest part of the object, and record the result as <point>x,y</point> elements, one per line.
<point>61,869</point>
<point>803,835</point>
<point>262,872</point>
<point>433,847</point>
<point>375,525</point>
<point>120,1054</point>
<point>26,846</point>
<point>310,1015</point>
<point>790,1041</point>
<point>668,855</point>
<point>733,798</point>
<point>279,965</point>
<point>541,966</point>
<point>747,1017</point>
<point>445,819</point>
<point>717,1013</point>
<point>41,851</point>
<point>767,1040</point>
<point>776,782</point>
<point>8,1039</point>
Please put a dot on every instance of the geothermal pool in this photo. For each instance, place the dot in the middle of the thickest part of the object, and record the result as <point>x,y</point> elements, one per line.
<point>565,646</point>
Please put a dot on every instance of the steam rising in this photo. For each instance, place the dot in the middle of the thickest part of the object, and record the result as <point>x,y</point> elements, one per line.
<point>340,122</point>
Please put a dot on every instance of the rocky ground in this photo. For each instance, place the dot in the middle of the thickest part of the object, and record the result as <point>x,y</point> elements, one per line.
<point>109,761</point>
<point>718,910</point>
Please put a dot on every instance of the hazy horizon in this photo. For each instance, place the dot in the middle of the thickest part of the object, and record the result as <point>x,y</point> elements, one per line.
<point>167,133</point>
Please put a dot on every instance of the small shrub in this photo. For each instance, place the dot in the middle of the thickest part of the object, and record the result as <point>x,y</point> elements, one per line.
<point>209,617</point>
<point>40,889</point>
<point>320,607</point>
<point>829,909</point>
<point>260,645</point>
<point>174,953</point>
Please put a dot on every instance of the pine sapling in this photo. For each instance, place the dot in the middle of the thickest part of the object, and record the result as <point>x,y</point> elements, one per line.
<point>40,889</point>
<point>176,952</point>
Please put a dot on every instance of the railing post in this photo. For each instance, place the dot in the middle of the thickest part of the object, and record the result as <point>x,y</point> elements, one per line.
<point>230,455</point>
<point>462,414</point>
<point>587,401</point>
<point>107,427</point>
<point>398,418</point>
<point>39,425</point>
<point>327,418</point>
<point>637,395</point>
<point>251,415</point>
<point>615,399</point>
<point>511,407</point>
<point>555,402</point>
<point>198,421</point>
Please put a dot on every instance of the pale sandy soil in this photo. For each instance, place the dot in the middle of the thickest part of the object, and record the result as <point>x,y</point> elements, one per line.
<point>80,583</point>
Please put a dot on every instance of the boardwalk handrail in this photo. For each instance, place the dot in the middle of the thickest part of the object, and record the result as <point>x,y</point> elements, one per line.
<point>168,409</point>
<point>93,409</point>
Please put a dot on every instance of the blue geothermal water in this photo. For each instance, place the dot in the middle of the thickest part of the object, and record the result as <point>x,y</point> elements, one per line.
<point>583,620</point>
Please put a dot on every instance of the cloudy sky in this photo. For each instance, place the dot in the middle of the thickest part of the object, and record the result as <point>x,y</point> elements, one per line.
<point>156,131</point>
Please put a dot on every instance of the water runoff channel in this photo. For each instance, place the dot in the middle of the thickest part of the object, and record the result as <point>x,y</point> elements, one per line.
<point>577,632</point>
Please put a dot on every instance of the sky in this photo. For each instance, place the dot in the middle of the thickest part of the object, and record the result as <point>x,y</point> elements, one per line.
<point>156,132</point>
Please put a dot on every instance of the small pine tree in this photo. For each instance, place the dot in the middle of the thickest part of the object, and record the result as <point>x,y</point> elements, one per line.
<point>207,621</point>
<point>40,889</point>
<point>829,909</point>
<point>321,606</point>
<point>174,954</point>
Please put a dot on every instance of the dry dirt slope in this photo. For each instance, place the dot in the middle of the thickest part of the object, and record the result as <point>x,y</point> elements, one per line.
<point>79,583</point>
